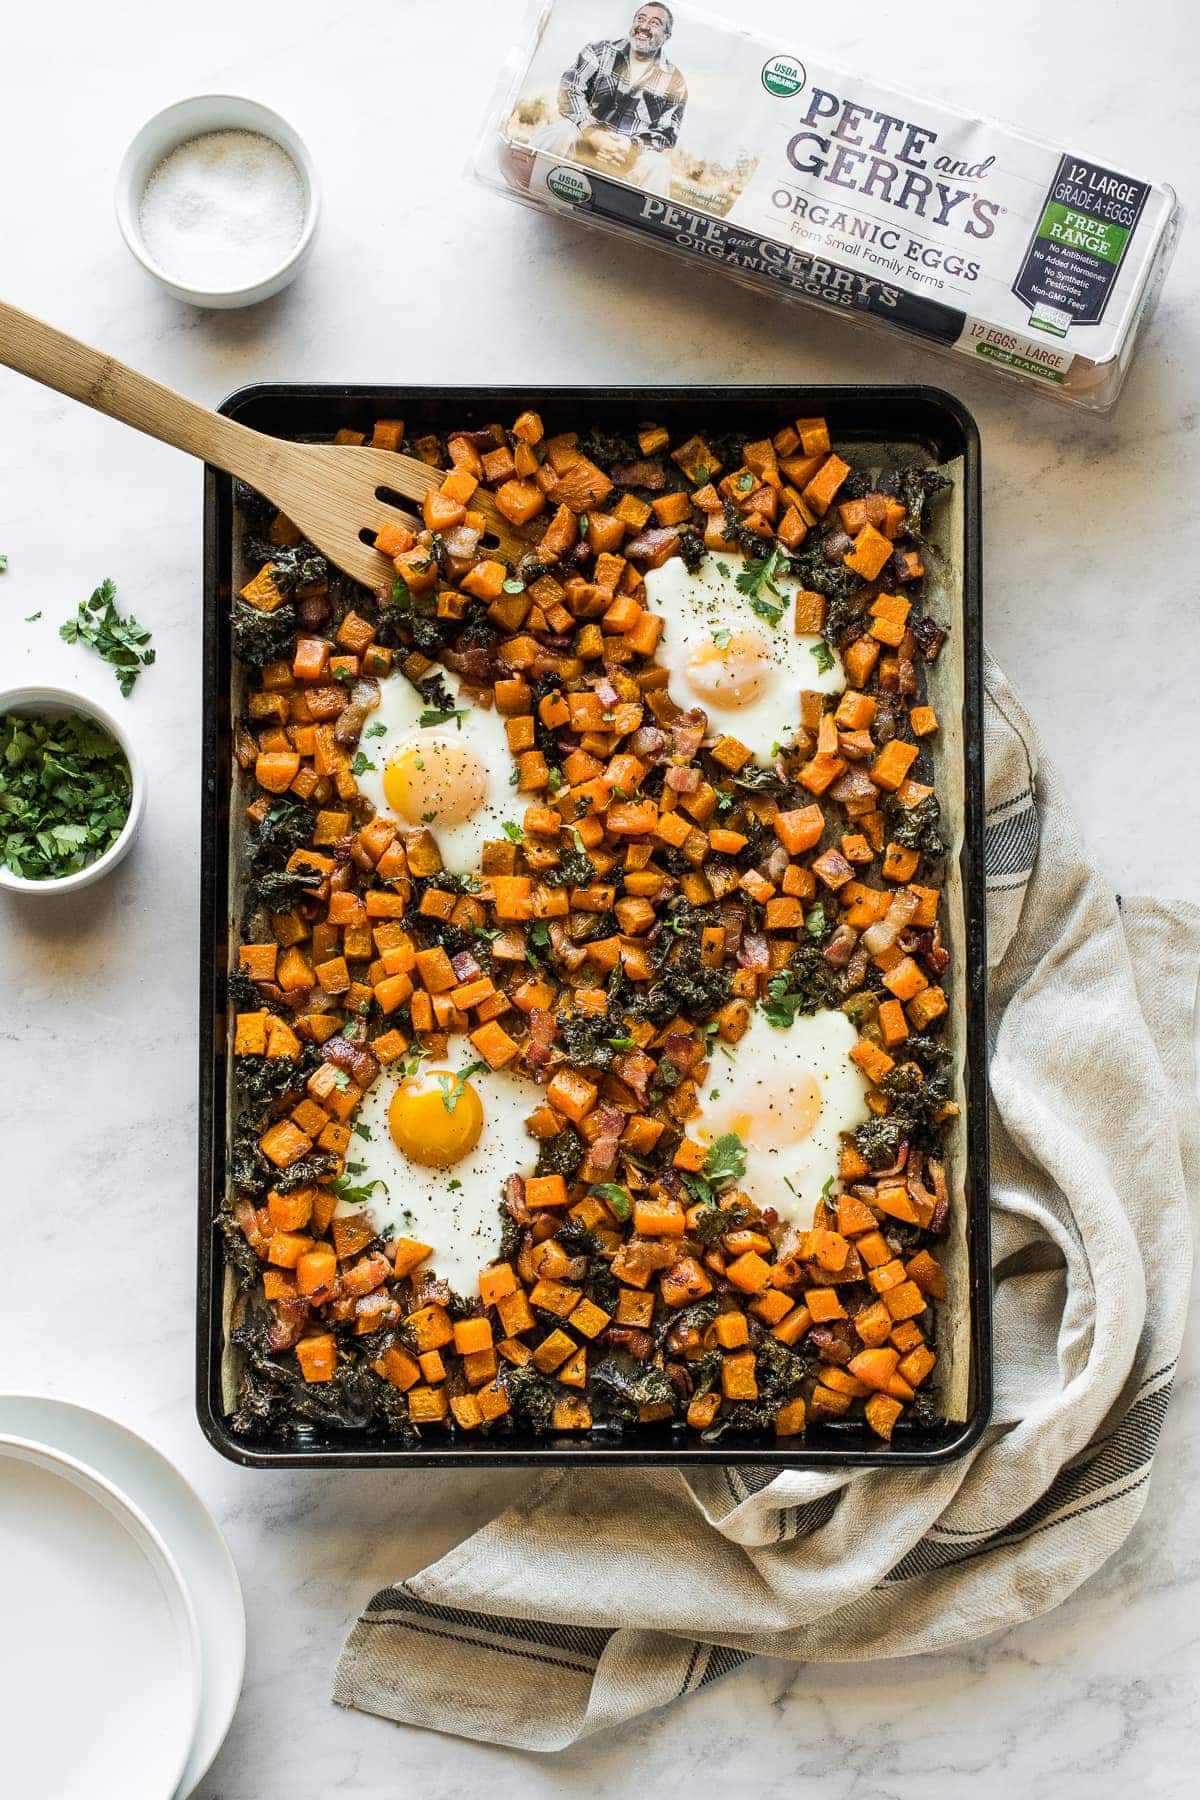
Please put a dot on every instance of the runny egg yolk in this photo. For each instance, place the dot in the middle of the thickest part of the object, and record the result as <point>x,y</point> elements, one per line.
<point>435,1118</point>
<point>432,780</point>
<point>735,672</point>
<point>785,1112</point>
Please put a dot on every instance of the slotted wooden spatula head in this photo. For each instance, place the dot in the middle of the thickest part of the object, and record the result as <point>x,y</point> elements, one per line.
<point>338,495</point>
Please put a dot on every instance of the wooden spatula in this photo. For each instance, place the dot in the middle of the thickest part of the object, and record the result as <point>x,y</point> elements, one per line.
<point>338,494</point>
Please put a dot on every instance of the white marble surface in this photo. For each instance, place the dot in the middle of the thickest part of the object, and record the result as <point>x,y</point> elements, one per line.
<point>1091,605</point>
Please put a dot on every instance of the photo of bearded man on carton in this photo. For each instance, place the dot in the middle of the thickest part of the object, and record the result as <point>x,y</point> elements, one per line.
<point>621,104</point>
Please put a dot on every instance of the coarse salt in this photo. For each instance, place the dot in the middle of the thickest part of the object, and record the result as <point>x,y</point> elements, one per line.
<point>223,210</point>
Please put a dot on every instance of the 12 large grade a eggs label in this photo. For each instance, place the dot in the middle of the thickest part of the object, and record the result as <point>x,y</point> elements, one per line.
<point>845,192</point>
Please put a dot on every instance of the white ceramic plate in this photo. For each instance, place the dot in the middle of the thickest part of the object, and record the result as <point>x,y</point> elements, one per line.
<point>187,1527</point>
<point>98,1642</point>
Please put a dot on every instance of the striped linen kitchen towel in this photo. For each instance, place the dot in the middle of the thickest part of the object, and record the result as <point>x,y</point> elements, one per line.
<point>604,1594</point>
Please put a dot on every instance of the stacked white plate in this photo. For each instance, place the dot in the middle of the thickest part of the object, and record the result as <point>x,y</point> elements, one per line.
<point>122,1632</point>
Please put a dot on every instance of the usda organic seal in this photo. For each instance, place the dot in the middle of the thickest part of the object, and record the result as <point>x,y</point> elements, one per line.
<point>783,76</point>
<point>569,184</point>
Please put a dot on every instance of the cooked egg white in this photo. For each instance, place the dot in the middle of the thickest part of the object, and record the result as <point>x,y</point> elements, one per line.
<point>746,673</point>
<point>787,1093</point>
<point>452,777</point>
<point>442,1146</point>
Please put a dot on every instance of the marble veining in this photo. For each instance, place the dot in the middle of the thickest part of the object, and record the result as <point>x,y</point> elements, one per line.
<point>419,275</point>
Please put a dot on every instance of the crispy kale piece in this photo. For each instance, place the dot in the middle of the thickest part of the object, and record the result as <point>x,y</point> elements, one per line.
<point>916,827</point>
<point>584,1038</point>
<point>715,1221</point>
<point>779,1373</point>
<point>262,637</point>
<point>682,983</point>
<point>238,1254</point>
<point>575,869</point>
<point>292,569</point>
<point>263,1081</point>
<point>808,984</point>
<point>915,488</point>
<point>608,447</point>
<point>561,1154</point>
<point>916,1099</point>
<point>274,1397</point>
<point>691,548</point>
<point>530,1395</point>
<point>256,511</point>
<point>286,827</point>
<point>620,1384</point>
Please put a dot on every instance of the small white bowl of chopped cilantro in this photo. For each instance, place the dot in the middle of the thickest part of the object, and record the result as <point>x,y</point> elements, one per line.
<point>72,791</point>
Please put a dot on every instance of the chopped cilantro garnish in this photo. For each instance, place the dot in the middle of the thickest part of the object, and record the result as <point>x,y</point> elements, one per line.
<point>781,1005</point>
<point>759,573</point>
<point>121,642</point>
<point>401,596</point>
<point>31,617</point>
<point>584,523</point>
<point>361,764</point>
<point>65,791</point>
<point>363,1131</point>
<point>453,1186</point>
<point>722,638</point>
<point>615,1197</point>
<point>455,1086</point>
<point>513,586</point>
<point>824,656</point>
<point>726,1159</point>
<point>427,818</point>
<point>378,729</point>
<point>441,715</point>
<point>512,832</point>
<point>815,922</point>
<point>724,569</point>
<point>356,1196</point>
<point>555,780</point>
<point>346,677</point>
<point>770,610</point>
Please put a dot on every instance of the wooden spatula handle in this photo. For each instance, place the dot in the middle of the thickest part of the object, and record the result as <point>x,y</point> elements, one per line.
<point>35,349</point>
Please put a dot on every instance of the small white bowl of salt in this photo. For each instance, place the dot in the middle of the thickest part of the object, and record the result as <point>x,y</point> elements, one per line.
<point>217,198</point>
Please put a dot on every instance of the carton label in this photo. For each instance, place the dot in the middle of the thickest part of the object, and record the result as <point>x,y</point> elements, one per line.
<point>788,171</point>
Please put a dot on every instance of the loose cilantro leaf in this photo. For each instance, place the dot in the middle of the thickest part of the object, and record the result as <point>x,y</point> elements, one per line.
<point>759,573</point>
<point>512,832</point>
<point>726,1159</point>
<point>824,656</point>
<point>584,523</point>
<point>513,586</point>
<point>378,729</point>
<point>620,1043</point>
<point>343,676</point>
<point>745,482</point>
<point>30,618</point>
<point>555,781</point>
<point>363,1131</point>
<point>767,609</point>
<point>3,564</point>
<point>65,791</point>
<point>453,1186</point>
<point>361,764</point>
<point>724,569</point>
<point>816,923</point>
<point>722,638</point>
<point>781,1005</point>
<point>356,1196</point>
<point>401,596</point>
<point>615,1197</point>
<point>120,642</point>
<point>442,715</point>
<point>455,1086</point>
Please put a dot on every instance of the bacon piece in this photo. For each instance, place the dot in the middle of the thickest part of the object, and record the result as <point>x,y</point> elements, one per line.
<point>687,732</point>
<point>649,744</point>
<point>683,781</point>
<point>755,952</point>
<point>355,1059</point>
<point>641,474</point>
<point>291,1316</point>
<point>541,1036</point>
<point>465,966</point>
<point>367,1274</point>
<point>840,947</point>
